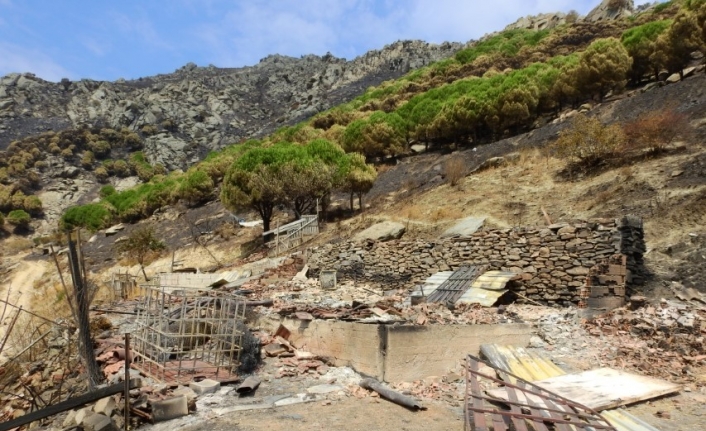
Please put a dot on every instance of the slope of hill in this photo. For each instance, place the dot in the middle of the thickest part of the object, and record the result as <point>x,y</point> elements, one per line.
<point>198,109</point>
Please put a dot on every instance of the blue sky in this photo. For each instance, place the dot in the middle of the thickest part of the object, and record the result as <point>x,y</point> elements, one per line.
<point>107,40</point>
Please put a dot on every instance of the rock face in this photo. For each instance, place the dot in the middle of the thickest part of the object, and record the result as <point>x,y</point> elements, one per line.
<point>610,10</point>
<point>198,109</point>
<point>539,22</point>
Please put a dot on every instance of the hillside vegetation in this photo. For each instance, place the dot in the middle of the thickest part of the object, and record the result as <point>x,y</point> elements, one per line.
<point>506,84</point>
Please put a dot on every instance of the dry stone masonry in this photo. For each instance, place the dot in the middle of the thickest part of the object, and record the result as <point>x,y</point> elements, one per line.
<point>553,263</point>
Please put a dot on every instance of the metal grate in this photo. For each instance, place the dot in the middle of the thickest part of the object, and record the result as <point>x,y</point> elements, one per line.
<point>530,406</point>
<point>183,333</point>
<point>452,289</point>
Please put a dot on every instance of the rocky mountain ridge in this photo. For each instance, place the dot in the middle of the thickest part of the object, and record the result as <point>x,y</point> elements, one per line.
<point>194,110</point>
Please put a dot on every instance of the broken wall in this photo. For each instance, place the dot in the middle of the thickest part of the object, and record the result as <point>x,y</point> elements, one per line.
<point>396,353</point>
<point>552,262</point>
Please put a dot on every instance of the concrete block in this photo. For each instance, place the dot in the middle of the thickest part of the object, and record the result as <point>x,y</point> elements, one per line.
<point>207,386</point>
<point>98,422</point>
<point>170,408</point>
<point>187,392</point>
<point>105,406</point>
<point>70,419</point>
<point>82,414</point>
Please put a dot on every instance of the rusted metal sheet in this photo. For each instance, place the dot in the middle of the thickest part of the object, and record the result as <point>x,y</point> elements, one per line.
<point>488,288</point>
<point>554,412</point>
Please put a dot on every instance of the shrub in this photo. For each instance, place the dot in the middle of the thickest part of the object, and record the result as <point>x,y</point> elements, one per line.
<point>32,205</point>
<point>88,160</point>
<point>100,148</point>
<point>106,191</point>
<point>101,174</point>
<point>587,142</point>
<point>656,130</point>
<point>454,170</point>
<point>2,219</point>
<point>149,129</point>
<point>195,187</point>
<point>19,218</point>
<point>140,244</point>
<point>121,168</point>
<point>92,216</point>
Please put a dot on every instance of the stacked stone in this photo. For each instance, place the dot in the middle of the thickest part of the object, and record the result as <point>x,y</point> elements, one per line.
<point>552,262</point>
<point>606,284</point>
<point>632,237</point>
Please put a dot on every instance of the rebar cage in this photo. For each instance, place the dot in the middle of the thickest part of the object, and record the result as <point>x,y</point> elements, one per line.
<point>188,333</point>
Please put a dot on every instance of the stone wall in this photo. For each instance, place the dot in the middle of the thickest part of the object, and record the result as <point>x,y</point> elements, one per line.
<point>552,262</point>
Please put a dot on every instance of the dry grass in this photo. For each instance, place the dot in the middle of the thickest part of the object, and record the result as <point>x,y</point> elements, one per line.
<point>16,244</point>
<point>454,170</point>
<point>529,182</point>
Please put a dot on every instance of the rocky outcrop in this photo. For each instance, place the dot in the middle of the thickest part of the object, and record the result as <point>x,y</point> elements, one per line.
<point>543,21</point>
<point>610,10</point>
<point>197,109</point>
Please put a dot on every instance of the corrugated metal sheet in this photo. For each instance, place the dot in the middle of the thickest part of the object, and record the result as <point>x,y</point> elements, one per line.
<point>459,282</point>
<point>532,367</point>
<point>433,282</point>
<point>520,362</point>
<point>487,289</point>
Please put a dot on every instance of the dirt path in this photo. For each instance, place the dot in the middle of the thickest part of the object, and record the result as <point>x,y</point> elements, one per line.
<point>20,286</point>
<point>349,414</point>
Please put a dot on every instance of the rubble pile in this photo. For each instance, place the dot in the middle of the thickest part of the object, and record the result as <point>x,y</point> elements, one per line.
<point>666,341</point>
<point>34,381</point>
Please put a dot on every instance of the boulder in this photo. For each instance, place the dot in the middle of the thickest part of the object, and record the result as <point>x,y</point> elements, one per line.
<point>384,231</point>
<point>114,229</point>
<point>465,227</point>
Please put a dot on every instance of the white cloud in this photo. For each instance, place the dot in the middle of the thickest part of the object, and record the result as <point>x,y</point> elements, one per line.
<point>250,30</point>
<point>142,27</point>
<point>14,58</point>
<point>97,48</point>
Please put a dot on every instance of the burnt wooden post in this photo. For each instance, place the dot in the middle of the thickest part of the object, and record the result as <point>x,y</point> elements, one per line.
<point>82,318</point>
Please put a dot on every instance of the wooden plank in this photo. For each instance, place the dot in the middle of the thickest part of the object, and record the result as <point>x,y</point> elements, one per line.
<point>69,404</point>
<point>478,417</point>
<point>601,389</point>
<point>518,422</point>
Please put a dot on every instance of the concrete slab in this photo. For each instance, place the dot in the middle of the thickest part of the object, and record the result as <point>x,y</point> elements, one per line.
<point>465,227</point>
<point>324,389</point>
<point>416,352</point>
<point>206,386</point>
<point>397,353</point>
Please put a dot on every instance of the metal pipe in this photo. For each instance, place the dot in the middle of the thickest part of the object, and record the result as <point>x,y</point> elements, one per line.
<point>126,395</point>
<point>390,395</point>
<point>248,385</point>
